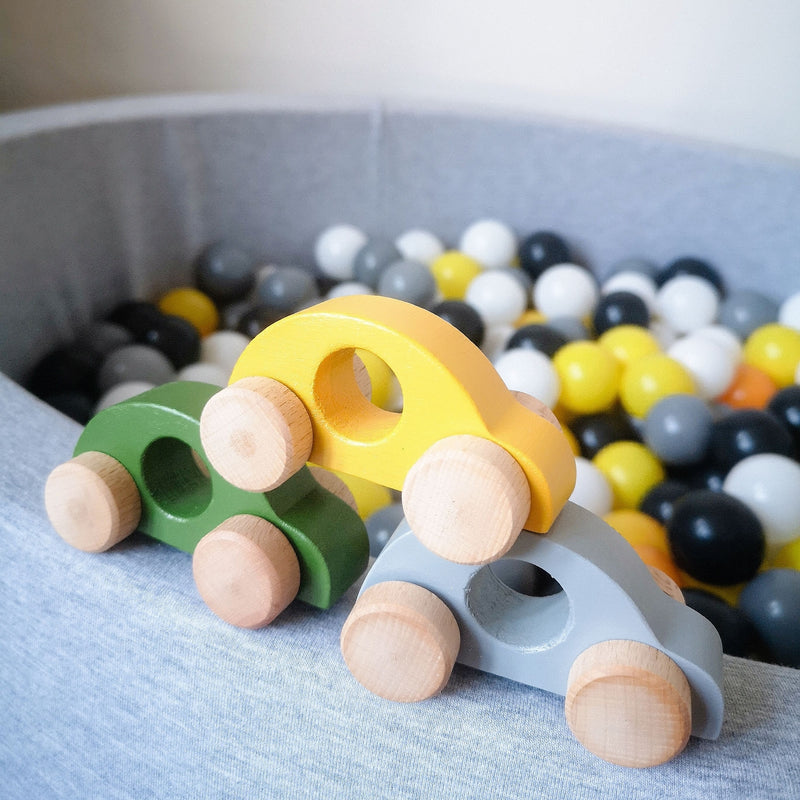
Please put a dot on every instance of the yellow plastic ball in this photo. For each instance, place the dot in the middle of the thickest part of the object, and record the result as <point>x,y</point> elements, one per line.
<point>774,349</point>
<point>631,470</point>
<point>730,594</point>
<point>638,528</point>
<point>629,342</point>
<point>530,317</point>
<point>589,377</point>
<point>453,271</point>
<point>369,496</point>
<point>647,380</point>
<point>788,557</point>
<point>192,305</point>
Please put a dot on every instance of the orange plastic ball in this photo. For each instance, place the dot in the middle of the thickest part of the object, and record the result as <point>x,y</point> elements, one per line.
<point>751,388</point>
<point>638,528</point>
<point>655,557</point>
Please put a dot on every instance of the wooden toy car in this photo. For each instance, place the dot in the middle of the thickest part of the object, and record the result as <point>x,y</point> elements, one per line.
<point>640,670</point>
<point>140,465</point>
<point>476,463</point>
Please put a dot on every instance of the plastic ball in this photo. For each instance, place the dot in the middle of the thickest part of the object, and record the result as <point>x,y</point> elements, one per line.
<point>657,558</point>
<point>495,339</point>
<point>693,267</point>
<point>121,392</point>
<point>788,557</point>
<point>135,362</point>
<point>769,485</point>
<point>631,469</point>
<point>497,296</point>
<point>637,528</point>
<point>565,290</point>
<point>490,242</point>
<point>592,490</point>
<point>348,289</point>
<point>570,327</point>
<point>463,317</point>
<point>75,405</point>
<point>594,431</point>
<point>373,258</point>
<point>453,272</point>
<point>772,603</point>
<point>70,368</point>
<point>707,474</point>
<point>747,432</point>
<point>750,388</point>
<point>709,363</point>
<point>175,337</point>
<point>784,405</point>
<point>734,628</point>
<point>620,308</point>
<point>194,306</point>
<point>715,537</point>
<point>589,377</point>
<point>381,524</point>
<point>225,272</point>
<point>687,302</point>
<point>539,337</point>
<point>629,342</point>
<point>722,336</point>
<point>410,281</point>
<point>647,380</point>
<point>774,348</point>
<point>744,310</point>
<point>659,501</point>
<point>254,320</point>
<point>286,289</point>
<point>204,373</point>
<point>530,316</point>
<point>223,348</point>
<point>637,283</point>
<point>531,372</point>
<point>677,429</point>
<point>634,264</point>
<point>101,337</point>
<point>789,312</point>
<point>420,245</point>
<point>335,250</point>
<point>540,250</point>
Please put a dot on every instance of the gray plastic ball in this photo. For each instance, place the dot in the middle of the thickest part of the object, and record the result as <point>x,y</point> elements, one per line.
<point>380,526</point>
<point>678,428</point>
<point>135,362</point>
<point>372,259</point>
<point>287,288</point>
<point>745,310</point>
<point>409,281</point>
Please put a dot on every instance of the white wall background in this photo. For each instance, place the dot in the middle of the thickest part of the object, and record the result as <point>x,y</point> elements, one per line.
<point>722,70</point>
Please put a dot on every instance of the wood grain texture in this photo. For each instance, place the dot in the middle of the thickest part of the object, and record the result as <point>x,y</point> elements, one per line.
<point>246,571</point>
<point>92,501</point>
<point>256,433</point>
<point>666,584</point>
<point>466,499</point>
<point>400,641</point>
<point>629,704</point>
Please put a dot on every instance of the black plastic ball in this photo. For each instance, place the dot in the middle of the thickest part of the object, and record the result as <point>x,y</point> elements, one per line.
<point>785,406</point>
<point>594,431</point>
<point>747,432</point>
<point>660,500</point>
<point>543,338</point>
<point>715,537</point>
<point>620,308</point>
<point>463,317</point>
<point>689,265</point>
<point>734,628</point>
<point>541,250</point>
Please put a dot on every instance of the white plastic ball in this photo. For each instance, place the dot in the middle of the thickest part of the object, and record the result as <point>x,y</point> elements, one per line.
<point>121,392</point>
<point>223,348</point>
<point>495,339</point>
<point>335,249</point>
<point>419,245</point>
<point>489,242</point>
<point>710,364</point>
<point>497,296</point>
<point>348,288</point>
<point>789,311</point>
<point>723,336</point>
<point>687,302</point>
<point>769,484</point>
<point>205,373</point>
<point>663,332</point>
<point>529,371</point>
<point>592,490</point>
<point>638,283</point>
<point>565,290</point>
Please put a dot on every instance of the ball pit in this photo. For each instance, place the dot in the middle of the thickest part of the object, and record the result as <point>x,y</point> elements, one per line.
<point>696,441</point>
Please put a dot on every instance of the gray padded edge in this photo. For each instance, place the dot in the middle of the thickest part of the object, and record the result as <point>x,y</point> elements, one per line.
<point>116,682</point>
<point>103,201</point>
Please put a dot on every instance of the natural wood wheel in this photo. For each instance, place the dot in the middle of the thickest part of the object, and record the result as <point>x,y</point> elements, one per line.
<point>629,704</point>
<point>246,571</point>
<point>92,501</point>
<point>256,433</point>
<point>666,584</point>
<point>400,641</point>
<point>466,499</point>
